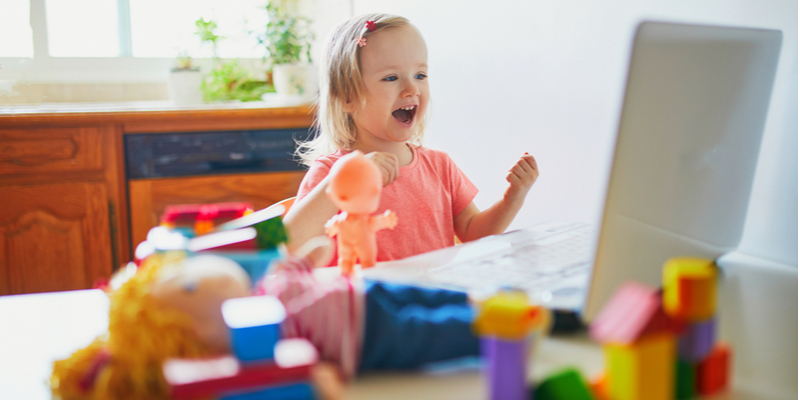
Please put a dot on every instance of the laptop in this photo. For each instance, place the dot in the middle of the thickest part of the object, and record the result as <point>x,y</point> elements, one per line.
<point>689,135</point>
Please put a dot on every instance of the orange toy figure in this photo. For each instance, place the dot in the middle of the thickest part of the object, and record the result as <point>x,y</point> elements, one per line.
<point>355,187</point>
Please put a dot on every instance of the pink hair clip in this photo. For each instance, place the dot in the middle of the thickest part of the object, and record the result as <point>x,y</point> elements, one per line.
<point>362,41</point>
<point>371,25</point>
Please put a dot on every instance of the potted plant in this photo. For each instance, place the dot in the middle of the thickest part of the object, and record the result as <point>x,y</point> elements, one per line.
<point>287,43</point>
<point>184,80</point>
<point>227,80</point>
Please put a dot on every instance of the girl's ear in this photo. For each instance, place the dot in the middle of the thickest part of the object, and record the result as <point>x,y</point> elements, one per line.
<point>349,105</point>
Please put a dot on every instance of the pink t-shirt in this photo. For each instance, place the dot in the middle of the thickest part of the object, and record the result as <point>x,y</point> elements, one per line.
<point>426,196</point>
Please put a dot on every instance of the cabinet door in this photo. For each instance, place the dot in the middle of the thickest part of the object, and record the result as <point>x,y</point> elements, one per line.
<point>53,237</point>
<point>148,197</point>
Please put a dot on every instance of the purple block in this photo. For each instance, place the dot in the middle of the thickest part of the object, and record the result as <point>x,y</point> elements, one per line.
<point>506,368</point>
<point>698,339</point>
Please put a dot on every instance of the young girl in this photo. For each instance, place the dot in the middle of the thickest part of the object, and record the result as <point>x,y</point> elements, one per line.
<point>374,98</point>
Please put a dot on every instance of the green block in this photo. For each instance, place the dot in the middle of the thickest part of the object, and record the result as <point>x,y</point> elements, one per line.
<point>564,385</point>
<point>684,380</point>
<point>270,233</point>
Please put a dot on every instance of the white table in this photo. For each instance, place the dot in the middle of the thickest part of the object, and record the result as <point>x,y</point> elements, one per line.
<point>37,329</point>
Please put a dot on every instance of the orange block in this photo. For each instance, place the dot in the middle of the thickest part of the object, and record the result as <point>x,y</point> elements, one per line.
<point>599,386</point>
<point>643,370</point>
<point>713,372</point>
<point>690,288</point>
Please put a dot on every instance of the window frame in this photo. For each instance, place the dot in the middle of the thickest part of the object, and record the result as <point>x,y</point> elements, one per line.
<point>43,68</point>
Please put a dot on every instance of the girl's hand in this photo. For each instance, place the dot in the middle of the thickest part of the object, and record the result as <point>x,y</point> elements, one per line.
<point>521,177</point>
<point>387,164</point>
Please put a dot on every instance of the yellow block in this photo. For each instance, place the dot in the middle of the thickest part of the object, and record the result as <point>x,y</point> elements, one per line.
<point>509,315</point>
<point>643,370</point>
<point>690,288</point>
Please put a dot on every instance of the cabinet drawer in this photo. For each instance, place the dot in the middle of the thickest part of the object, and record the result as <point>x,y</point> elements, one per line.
<point>45,150</point>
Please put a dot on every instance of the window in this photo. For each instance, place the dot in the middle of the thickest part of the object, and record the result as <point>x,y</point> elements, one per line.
<point>14,23</point>
<point>127,40</point>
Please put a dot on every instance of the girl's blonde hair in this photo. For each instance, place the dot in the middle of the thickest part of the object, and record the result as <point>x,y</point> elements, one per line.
<point>340,79</point>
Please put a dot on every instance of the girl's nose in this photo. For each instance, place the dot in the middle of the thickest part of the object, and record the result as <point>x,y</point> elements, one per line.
<point>411,89</point>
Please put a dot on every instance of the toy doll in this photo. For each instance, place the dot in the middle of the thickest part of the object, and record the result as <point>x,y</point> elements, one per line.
<point>169,309</point>
<point>355,188</point>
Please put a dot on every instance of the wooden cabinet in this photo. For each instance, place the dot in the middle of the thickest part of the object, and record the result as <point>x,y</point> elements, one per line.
<point>69,215</point>
<point>57,228</point>
<point>54,237</point>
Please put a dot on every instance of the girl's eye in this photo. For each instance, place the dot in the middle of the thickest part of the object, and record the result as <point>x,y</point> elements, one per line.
<point>420,76</point>
<point>390,78</point>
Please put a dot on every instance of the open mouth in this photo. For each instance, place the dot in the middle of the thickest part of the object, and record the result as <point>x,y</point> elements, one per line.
<point>405,114</point>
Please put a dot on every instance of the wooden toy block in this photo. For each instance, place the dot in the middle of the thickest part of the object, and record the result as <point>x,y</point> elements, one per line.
<point>234,240</point>
<point>690,288</point>
<point>696,342</point>
<point>255,263</point>
<point>599,386</point>
<point>505,367</point>
<point>255,326</point>
<point>634,311</point>
<point>203,378</point>
<point>684,380</point>
<point>504,322</point>
<point>564,385</point>
<point>296,391</point>
<point>271,233</point>
<point>714,371</point>
<point>643,370</point>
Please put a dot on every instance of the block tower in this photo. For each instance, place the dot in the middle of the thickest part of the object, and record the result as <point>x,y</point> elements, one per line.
<point>690,294</point>
<point>661,344</point>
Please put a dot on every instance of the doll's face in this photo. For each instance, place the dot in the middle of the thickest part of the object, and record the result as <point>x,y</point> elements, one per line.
<point>355,185</point>
<point>198,288</point>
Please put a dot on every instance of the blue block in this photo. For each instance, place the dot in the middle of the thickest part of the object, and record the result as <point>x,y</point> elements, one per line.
<point>254,323</point>
<point>296,391</point>
<point>255,263</point>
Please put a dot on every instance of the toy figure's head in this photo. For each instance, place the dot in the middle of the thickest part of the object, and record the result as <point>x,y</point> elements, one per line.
<point>198,287</point>
<point>355,185</point>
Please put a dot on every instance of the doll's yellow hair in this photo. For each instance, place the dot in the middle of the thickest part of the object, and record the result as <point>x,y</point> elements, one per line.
<point>141,336</point>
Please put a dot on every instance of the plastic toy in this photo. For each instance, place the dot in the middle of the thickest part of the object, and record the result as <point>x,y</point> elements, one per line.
<point>690,288</point>
<point>568,384</point>
<point>504,322</point>
<point>254,323</point>
<point>640,344</point>
<point>203,217</point>
<point>643,370</point>
<point>633,311</point>
<point>171,308</point>
<point>684,380</point>
<point>203,378</point>
<point>713,372</point>
<point>696,342</point>
<point>355,187</point>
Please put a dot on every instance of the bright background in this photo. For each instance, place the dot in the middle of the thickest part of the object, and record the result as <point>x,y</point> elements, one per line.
<point>548,77</point>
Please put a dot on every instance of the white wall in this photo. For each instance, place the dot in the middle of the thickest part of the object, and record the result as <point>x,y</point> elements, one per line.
<point>548,77</point>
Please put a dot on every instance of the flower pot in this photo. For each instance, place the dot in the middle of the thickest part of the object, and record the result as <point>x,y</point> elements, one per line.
<point>295,80</point>
<point>184,86</point>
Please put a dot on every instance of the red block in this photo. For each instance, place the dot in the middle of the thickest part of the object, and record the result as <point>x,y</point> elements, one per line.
<point>714,371</point>
<point>200,379</point>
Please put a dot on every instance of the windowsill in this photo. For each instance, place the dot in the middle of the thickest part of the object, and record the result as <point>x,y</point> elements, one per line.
<point>145,106</point>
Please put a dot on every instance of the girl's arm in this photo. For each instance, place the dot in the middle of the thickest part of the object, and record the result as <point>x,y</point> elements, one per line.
<point>307,217</point>
<point>473,224</point>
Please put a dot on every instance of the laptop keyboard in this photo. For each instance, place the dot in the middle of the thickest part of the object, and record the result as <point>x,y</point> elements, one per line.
<point>542,261</point>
